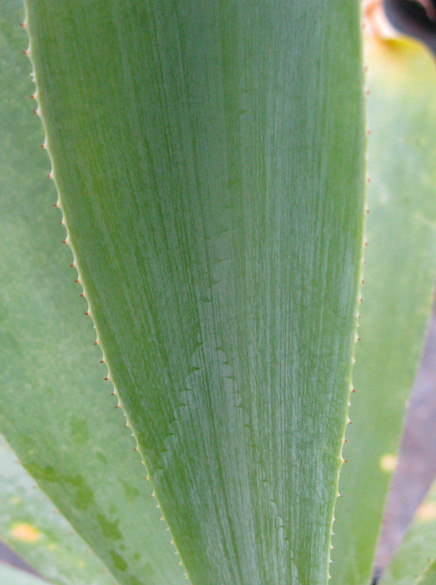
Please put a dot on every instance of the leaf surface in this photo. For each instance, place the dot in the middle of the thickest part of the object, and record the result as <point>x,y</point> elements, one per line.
<point>11,576</point>
<point>428,577</point>
<point>210,162</point>
<point>31,525</point>
<point>399,275</point>
<point>416,552</point>
<point>56,410</point>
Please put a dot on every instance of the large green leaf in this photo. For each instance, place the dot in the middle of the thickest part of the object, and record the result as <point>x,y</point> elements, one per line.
<point>399,277</point>
<point>11,576</point>
<point>209,157</point>
<point>417,551</point>
<point>56,410</point>
<point>428,577</point>
<point>31,525</point>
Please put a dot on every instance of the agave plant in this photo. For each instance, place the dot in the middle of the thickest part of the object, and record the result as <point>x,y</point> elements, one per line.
<point>210,164</point>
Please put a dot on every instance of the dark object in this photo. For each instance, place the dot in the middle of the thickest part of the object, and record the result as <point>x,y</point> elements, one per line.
<point>376,576</point>
<point>416,18</point>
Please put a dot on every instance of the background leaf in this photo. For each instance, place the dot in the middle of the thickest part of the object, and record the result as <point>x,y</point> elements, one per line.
<point>399,277</point>
<point>11,576</point>
<point>416,552</point>
<point>56,410</point>
<point>428,577</point>
<point>31,525</point>
<point>209,157</point>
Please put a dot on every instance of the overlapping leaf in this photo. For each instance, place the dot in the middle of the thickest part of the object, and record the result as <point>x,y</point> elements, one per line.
<point>416,553</point>
<point>11,576</point>
<point>31,525</point>
<point>55,409</point>
<point>428,577</point>
<point>399,277</point>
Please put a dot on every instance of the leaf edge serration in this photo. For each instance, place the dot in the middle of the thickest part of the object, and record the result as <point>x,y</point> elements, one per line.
<point>75,264</point>
<point>359,297</point>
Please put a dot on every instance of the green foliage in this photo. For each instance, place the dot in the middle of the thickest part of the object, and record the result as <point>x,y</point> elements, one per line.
<point>428,577</point>
<point>219,256</point>
<point>56,410</point>
<point>31,525</point>
<point>10,576</point>
<point>210,165</point>
<point>399,279</point>
<point>416,553</point>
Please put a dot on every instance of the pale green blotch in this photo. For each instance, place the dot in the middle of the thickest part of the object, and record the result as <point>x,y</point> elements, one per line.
<point>388,463</point>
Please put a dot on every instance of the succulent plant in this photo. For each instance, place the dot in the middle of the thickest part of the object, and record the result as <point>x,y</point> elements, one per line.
<point>245,190</point>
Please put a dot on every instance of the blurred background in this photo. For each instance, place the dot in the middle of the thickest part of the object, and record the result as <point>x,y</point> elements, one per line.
<point>416,467</point>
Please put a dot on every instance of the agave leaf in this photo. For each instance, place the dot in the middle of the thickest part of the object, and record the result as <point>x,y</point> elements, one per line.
<point>399,277</point>
<point>416,552</point>
<point>11,576</point>
<point>31,525</point>
<point>56,410</point>
<point>209,159</point>
<point>428,577</point>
